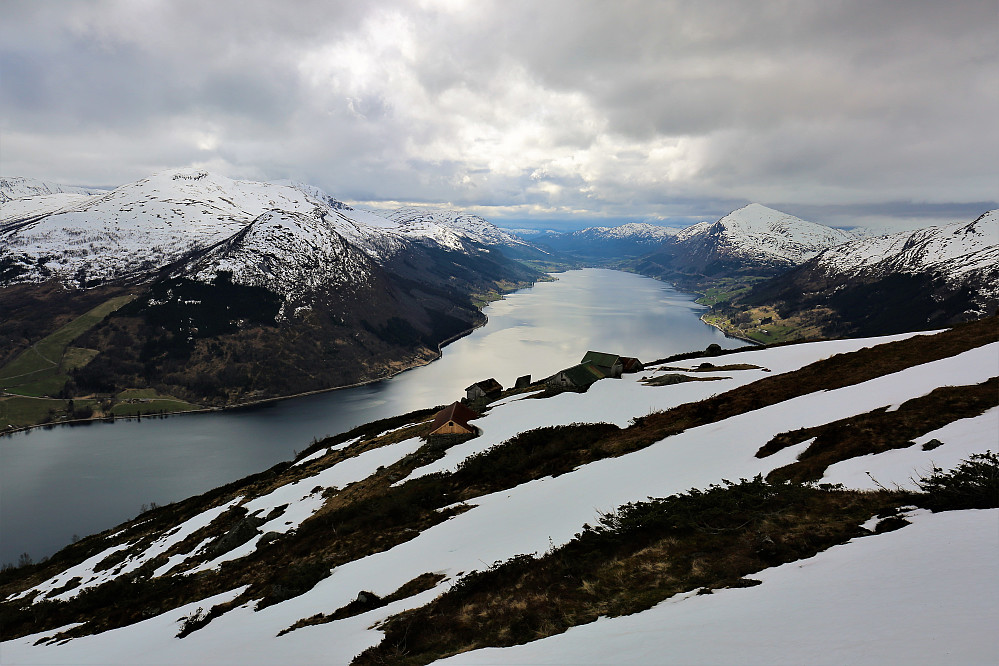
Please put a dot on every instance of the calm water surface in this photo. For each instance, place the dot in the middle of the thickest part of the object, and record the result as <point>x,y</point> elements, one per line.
<point>82,479</point>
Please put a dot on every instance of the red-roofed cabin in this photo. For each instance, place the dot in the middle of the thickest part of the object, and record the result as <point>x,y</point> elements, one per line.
<point>453,420</point>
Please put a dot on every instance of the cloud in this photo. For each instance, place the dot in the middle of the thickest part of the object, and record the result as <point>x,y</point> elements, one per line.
<point>559,109</point>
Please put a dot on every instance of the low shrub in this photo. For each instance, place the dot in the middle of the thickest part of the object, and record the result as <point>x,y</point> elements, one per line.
<point>974,484</point>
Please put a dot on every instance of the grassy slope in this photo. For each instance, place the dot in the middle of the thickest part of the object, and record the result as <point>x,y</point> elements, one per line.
<point>40,372</point>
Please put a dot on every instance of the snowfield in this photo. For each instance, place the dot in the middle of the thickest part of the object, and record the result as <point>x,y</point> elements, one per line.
<point>925,594</point>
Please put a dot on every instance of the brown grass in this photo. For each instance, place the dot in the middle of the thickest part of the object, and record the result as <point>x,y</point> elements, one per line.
<point>879,430</point>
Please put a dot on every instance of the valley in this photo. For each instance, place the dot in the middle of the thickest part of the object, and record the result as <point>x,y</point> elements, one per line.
<point>581,497</point>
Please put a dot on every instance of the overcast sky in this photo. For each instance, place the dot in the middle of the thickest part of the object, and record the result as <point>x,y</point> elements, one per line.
<point>529,113</point>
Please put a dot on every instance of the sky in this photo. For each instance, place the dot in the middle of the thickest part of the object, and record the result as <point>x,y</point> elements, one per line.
<point>557,114</point>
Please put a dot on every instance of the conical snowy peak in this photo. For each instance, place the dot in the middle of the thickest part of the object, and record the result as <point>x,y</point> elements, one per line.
<point>765,235</point>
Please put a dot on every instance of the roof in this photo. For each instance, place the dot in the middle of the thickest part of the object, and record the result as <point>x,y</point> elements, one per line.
<point>583,374</point>
<point>601,359</point>
<point>487,385</point>
<point>456,412</point>
<point>631,364</point>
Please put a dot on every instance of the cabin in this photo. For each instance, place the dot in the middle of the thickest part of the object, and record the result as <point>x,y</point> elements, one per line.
<point>487,388</point>
<point>609,364</point>
<point>631,364</point>
<point>523,382</point>
<point>577,377</point>
<point>453,420</point>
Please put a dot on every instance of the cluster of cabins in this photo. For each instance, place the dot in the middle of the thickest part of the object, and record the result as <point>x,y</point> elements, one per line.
<point>454,419</point>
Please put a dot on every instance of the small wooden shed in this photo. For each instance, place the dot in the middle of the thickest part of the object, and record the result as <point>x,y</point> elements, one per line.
<point>609,364</point>
<point>523,382</point>
<point>487,388</point>
<point>453,420</point>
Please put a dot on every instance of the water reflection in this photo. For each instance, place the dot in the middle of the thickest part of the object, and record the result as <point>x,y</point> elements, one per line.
<point>78,480</point>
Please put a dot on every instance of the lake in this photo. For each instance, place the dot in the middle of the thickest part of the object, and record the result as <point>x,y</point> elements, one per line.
<point>68,480</point>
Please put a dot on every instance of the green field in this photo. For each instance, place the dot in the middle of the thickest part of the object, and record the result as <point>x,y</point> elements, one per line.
<point>148,401</point>
<point>41,369</point>
<point>17,411</point>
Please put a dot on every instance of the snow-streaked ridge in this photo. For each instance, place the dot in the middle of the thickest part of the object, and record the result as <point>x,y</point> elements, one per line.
<point>955,252</point>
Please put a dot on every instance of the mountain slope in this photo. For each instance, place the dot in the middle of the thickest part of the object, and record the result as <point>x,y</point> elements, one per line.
<point>753,239</point>
<point>224,269</point>
<point>907,281</point>
<point>304,562</point>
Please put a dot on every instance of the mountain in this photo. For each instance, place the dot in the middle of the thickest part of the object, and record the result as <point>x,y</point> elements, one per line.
<point>751,240</point>
<point>609,243</point>
<point>912,280</point>
<point>18,188</point>
<point>221,270</point>
<point>818,503</point>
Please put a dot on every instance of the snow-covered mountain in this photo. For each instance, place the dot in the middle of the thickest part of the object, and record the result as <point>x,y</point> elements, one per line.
<point>760,235</point>
<point>640,232</point>
<point>367,540</point>
<point>958,253</point>
<point>172,216</point>
<point>380,291</point>
<point>18,188</point>
<point>910,280</point>
<point>753,239</point>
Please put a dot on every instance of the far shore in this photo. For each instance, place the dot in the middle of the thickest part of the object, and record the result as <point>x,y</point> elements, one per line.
<point>260,401</point>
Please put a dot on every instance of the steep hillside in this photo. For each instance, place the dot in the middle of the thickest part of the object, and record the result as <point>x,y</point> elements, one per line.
<point>917,280</point>
<point>243,290</point>
<point>753,240</point>
<point>676,507</point>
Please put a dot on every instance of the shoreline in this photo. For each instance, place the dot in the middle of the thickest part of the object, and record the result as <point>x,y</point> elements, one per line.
<point>731,335</point>
<point>263,401</point>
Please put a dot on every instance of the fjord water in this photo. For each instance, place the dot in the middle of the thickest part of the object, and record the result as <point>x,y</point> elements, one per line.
<point>68,480</point>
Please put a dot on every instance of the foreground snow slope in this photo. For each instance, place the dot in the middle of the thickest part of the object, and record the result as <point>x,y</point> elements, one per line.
<point>924,594</point>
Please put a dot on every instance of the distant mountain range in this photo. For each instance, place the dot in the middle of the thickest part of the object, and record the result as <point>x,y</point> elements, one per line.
<point>223,270</point>
<point>17,188</point>
<point>627,240</point>
<point>753,239</point>
<point>771,275</point>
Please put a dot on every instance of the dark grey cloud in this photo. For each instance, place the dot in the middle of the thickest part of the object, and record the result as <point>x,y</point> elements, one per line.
<point>561,109</point>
